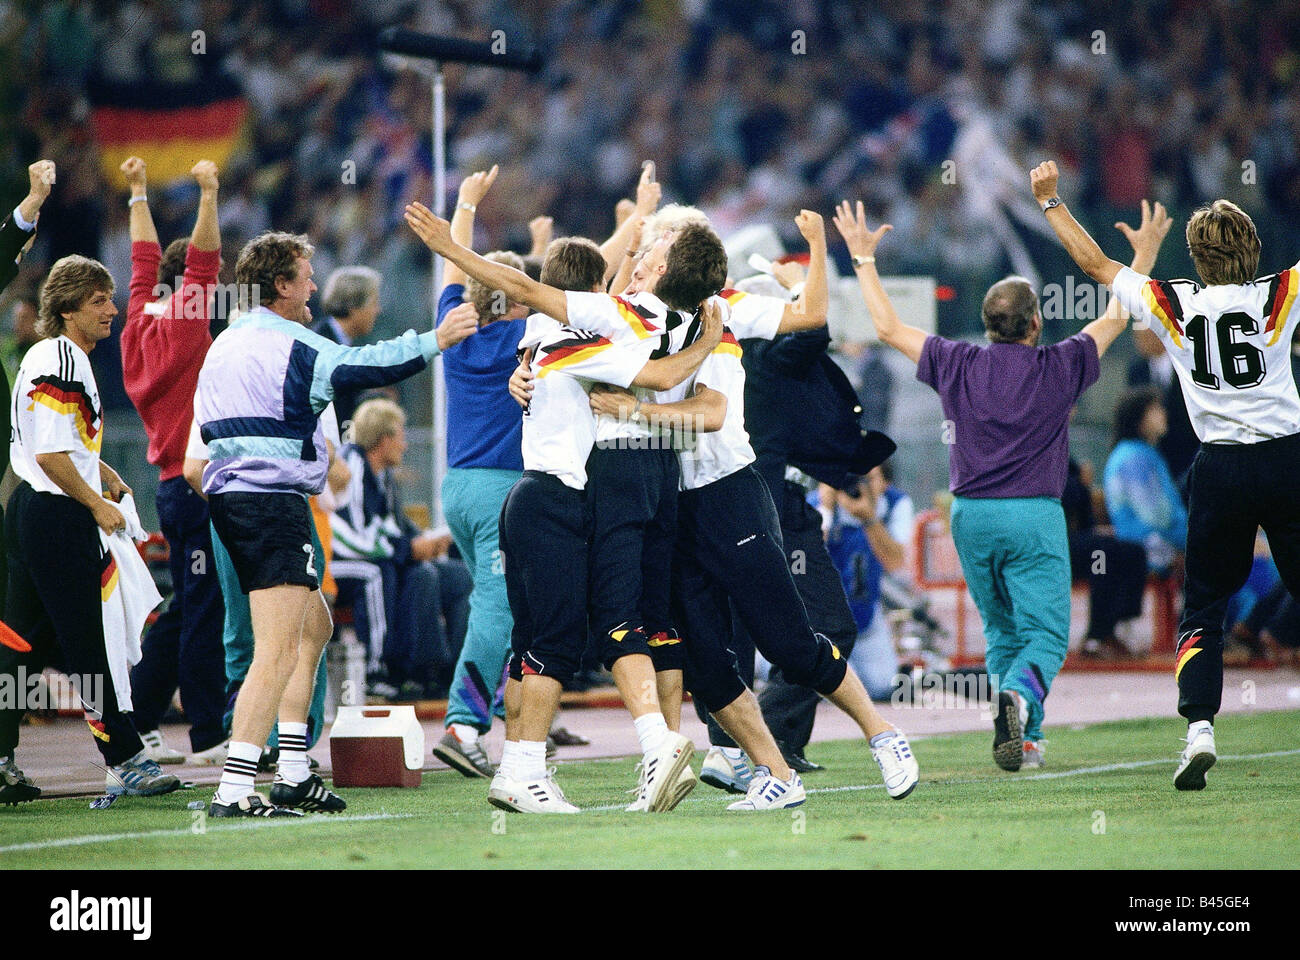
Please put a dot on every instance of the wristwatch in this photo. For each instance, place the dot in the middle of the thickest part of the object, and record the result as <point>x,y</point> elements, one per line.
<point>860,261</point>
<point>1054,202</point>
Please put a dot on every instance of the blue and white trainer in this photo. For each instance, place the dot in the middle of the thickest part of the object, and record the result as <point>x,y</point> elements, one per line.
<point>730,773</point>
<point>897,765</point>
<point>766,792</point>
<point>139,777</point>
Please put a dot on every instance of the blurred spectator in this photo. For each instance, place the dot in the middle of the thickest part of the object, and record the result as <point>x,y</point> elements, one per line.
<point>1141,498</point>
<point>1116,570</point>
<point>409,600</point>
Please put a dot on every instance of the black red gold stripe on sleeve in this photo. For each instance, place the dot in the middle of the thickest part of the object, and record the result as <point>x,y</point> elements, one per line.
<point>1281,297</point>
<point>729,345</point>
<point>568,353</point>
<point>68,398</point>
<point>637,318</point>
<point>1163,303</point>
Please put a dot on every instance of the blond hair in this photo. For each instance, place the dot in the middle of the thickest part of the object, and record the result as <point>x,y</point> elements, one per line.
<point>669,219</point>
<point>1223,243</point>
<point>374,420</point>
<point>71,282</point>
<point>492,304</point>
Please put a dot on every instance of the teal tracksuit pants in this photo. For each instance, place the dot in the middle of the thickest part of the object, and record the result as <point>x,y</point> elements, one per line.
<point>1016,559</point>
<point>471,502</point>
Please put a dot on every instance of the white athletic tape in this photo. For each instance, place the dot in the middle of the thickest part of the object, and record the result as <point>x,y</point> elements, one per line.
<point>218,827</point>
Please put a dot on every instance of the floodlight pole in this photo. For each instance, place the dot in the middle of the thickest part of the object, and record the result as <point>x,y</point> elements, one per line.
<point>439,134</point>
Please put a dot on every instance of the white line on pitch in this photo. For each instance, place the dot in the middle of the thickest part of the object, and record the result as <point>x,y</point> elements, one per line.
<point>222,828</point>
<point>1052,775</point>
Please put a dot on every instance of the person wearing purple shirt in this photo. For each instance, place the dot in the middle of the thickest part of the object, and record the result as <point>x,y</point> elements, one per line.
<point>1006,408</point>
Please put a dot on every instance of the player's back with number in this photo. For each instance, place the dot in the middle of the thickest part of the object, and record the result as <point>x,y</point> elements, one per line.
<point>1230,343</point>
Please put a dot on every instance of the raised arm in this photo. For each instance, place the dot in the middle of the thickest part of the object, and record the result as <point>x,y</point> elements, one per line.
<point>809,311</point>
<point>542,230</point>
<point>40,179</point>
<point>207,234</point>
<point>142,228</point>
<point>1082,249</point>
<point>614,250</point>
<point>515,284</point>
<point>852,225</point>
<point>472,191</point>
<point>1146,241</point>
<point>667,372</point>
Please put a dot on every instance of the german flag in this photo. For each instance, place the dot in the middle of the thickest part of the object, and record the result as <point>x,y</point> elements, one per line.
<point>172,127</point>
<point>729,345</point>
<point>1281,297</point>
<point>1163,302</point>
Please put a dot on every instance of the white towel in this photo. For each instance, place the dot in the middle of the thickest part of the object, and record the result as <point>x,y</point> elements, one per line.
<point>129,595</point>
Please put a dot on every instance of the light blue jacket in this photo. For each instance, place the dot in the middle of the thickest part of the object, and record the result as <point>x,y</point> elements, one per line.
<point>261,392</point>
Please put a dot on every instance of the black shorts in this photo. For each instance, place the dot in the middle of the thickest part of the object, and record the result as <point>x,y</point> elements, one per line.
<point>545,528</point>
<point>268,537</point>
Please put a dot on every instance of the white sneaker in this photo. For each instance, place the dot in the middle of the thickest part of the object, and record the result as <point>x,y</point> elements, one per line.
<point>897,765</point>
<point>722,772</point>
<point>659,773</point>
<point>684,785</point>
<point>1198,757</point>
<point>537,796</point>
<point>1035,754</point>
<point>156,749</point>
<point>766,792</point>
<point>211,757</point>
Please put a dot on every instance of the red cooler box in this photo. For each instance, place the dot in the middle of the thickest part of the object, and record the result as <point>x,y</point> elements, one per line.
<point>377,747</point>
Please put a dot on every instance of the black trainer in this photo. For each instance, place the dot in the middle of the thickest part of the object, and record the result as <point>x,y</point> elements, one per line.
<point>253,805</point>
<point>311,795</point>
<point>796,761</point>
<point>1008,737</point>
<point>15,788</point>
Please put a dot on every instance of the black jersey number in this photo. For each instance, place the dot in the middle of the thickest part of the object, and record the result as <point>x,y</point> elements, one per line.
<point>1243,362</point>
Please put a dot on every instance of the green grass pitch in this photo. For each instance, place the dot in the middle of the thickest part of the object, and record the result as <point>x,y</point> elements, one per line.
<point>964,814</point>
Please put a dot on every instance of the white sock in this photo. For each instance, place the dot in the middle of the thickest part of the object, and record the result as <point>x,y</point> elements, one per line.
<point>651,730</point>
<point>1194,728</point>
<point>292,766</point>
<point>882,738</point>
<point>509,760</point>
<point>464,732</point>
<point>239,772</point>
<point>530,760</point>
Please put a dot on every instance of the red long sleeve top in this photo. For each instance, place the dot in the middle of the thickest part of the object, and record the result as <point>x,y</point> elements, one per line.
<point>163,346</point>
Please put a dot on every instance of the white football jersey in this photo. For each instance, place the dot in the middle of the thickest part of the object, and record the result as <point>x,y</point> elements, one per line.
<point>1231,347</point>
<point>707,457</point>
<point>559,428</point>
<point>56,409</point>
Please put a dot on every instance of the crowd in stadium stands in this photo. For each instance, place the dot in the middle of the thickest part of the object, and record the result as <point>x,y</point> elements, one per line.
<point>875,102</point>
<point>929,112</point>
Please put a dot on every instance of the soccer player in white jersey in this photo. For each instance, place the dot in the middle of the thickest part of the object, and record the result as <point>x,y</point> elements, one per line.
<point>1229,337</point>
<point>730,550</point>
<point>638,322</point>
